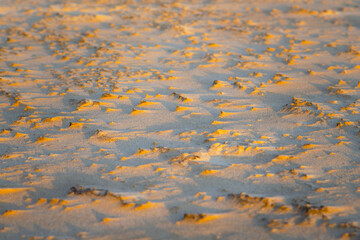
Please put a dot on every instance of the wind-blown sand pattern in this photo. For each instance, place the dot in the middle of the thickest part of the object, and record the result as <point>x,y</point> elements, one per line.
<point>180,119</point>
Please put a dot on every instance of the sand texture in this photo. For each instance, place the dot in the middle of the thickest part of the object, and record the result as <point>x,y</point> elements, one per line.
<point>214,119</point>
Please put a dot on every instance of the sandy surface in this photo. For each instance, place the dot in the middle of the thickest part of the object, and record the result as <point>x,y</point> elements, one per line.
<point>179,119</point>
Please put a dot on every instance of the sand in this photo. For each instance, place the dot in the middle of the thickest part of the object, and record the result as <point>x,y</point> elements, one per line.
<point>179,119</point>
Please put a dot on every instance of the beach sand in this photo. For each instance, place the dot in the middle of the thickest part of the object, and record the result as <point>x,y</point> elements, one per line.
<point>179,119</point>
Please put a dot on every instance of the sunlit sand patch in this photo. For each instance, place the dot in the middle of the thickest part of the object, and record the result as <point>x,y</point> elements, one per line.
<point>146,206</point>
<point>209,172</point>
<point>198,218</point>
<point>281,158</point>
<point>108,136</point>
<point>44,139</point>
<point>138,111</point>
